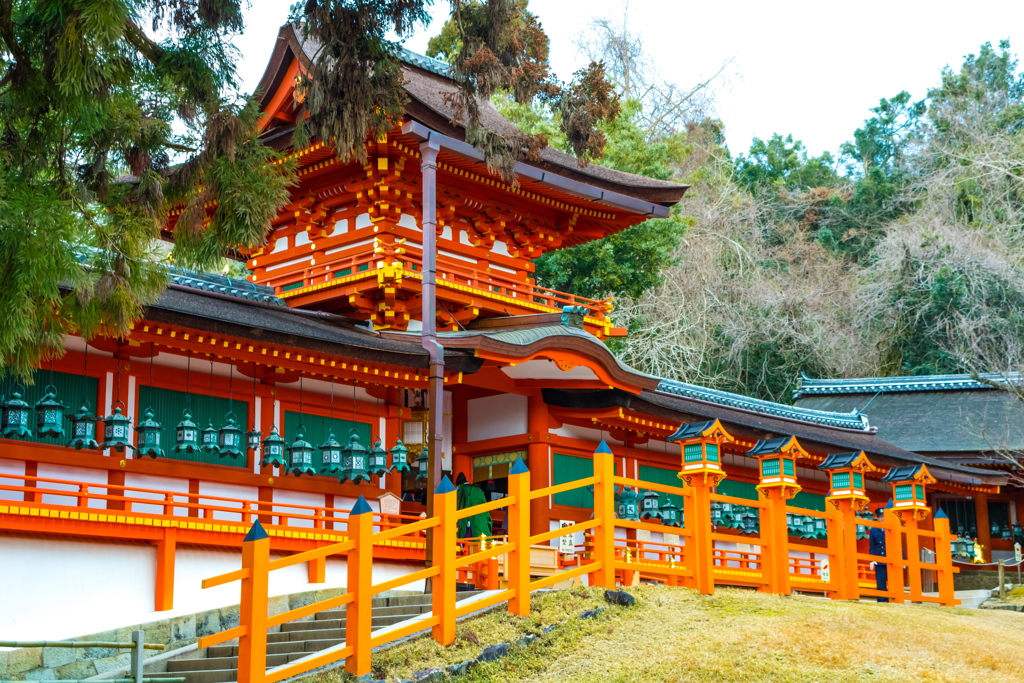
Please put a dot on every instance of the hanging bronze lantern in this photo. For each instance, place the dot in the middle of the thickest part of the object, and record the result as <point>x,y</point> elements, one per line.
<point>209,440</point>
<point>400,457</point>
<point>378,464</point>
<point>353,460</point>
<point>649,503</point>
<point>115,431</point>
<point>83,428</point>
<point>273,450</point>
<point>186,438</point>
<point>229,438</point>
<point>628,506</point>
<point>14,416</point>
<point>253,439</point>
<point>669,513</point>
<point>149,436</point>
<point>423,463</point>
<point>300,454</point>
<point>331,452</point>
<point>50,414</point>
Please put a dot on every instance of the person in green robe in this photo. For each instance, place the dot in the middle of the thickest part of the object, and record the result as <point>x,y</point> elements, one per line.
<point>468,496</point>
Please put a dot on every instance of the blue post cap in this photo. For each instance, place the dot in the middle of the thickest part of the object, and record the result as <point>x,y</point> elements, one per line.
<point>941,514</point>
<point>603,447</point>
<point>889,505</point>
<point>446,486</point>
<point>519,467</point>
<point>361,507</point>
<point>256,532</point>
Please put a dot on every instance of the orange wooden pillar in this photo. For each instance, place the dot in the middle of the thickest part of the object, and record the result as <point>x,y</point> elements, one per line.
<point>894,556</point>
<point>604,510</point>
<point>539,462</point>
<point>836,547</point>
<point>944,559</point>
<point>775,536</point>
<point>165,570</point>
<point>913,560</point>
<point>982,522</point>
<point>252,645</point>
<point>848,528</point>
<point>699,545</point>
<point>358,618</point>
<point>518,560</point>
<point>443,557</point>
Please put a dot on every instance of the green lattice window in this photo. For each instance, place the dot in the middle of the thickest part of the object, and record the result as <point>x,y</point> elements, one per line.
<point>692,452</point>
<point>712,450</point>
<point>858,480</point>
<point>168,404</point>
<point>918,492</point>
<point>71,389</point>
<point>291,285</point>
<point>787,467</point>
<point>566,468</point>
<point>770,468</point>
<point>904,492</point>
<point>840,480</point>
<point>342,273</point>
<point>317,428</point>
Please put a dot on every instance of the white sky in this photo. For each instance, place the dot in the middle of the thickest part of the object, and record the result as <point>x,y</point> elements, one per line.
<point>813,69</point>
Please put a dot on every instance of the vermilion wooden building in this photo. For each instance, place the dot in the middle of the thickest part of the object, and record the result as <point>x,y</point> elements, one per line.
<point>324,337</point>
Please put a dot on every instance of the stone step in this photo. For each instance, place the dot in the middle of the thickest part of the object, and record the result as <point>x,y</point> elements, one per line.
<point>217,663</point>
<point>216,676</point>
<point>300,646</point>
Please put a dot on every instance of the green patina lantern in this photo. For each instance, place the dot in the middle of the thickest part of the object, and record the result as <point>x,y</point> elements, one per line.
<point>353,460</point>
<point>669,513</point>
<point>273,450</point>
<point>14,416</point>
<point>808,527</point>
<point>186,437</point>
<point>229,438</point>
<point>300,453</point>
<point>83,428</point>
<point>628,505</point>
<point>378,464</point>
<point>331,452</point>
<point>716,513</point>
<point>209,438</point>
<point>400,457</point>
<point>423,463</point>
<point>253,439</point>
<point>148,432</point>
<point>649,505</point>
<point>50,414</point>
<point>115,431</point>
<point>751,522</point>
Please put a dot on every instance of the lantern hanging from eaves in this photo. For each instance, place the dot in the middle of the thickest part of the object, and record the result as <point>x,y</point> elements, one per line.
<point>670,513</point>
<point>253,437</point>
<point>300,454</point>
<point>14,416</point>
<point>751,523</point>
<point>846,478</point>
<point>628,504</point>
<point>50,414</point>
<point>83,428</point>
<point>649,504</point>
<point>702,444</point>
<point>423,463</point>
<point>115,432</point>
<point>148,436</point>
<point>273,450</point>
<point>378,459</point>
<point>330,453</point>
<point>186,436</point>
<point>909,486</point>
<point>209,438</point>
<point>400,457</point>
<point>353,460</point>
<point>777,459</point>
<point>229,438</point>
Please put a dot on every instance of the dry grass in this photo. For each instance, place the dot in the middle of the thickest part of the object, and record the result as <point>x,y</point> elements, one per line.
<point>674,634</point>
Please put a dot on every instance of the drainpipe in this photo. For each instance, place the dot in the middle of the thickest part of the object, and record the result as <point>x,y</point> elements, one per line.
<point>428,165</point>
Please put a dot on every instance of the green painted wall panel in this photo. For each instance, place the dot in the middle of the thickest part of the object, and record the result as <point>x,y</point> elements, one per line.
<point>660,475</point>
<point>71,389</point>
<point>317,428</point>
<point>168,404</point>
<point>566,468</point>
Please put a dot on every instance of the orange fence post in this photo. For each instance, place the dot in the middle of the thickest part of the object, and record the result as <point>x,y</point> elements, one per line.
<point>165,570</point>
<point>443,557</point>
<point>944,559</point>
<point>894,557</point>
<point>517,564</point>
<point>318,566</point>
<point>252,612</point>
<point>851,565</point>
<point>699,546</point>
<point>604,510</point>
<point>358,617</point>
<point>913,560</point>
<point>838,565</point>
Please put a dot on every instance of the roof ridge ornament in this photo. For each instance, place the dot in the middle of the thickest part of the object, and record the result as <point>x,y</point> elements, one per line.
<point>810,386</point>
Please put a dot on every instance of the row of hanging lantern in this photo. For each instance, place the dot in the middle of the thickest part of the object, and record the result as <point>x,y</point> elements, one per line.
<point>633,505</point>
<point>350,462</point>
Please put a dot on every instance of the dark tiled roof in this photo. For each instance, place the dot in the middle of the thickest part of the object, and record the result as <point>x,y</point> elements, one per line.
<point>902,473</point>
<point>241,289</point>
<point>690,430</point>
<point>848,420</point>
<point>769,446</point>
<point>839,460</point>
<point>808,386</point>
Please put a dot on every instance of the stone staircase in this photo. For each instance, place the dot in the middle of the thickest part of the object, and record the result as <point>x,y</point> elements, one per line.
<point>296,639</point>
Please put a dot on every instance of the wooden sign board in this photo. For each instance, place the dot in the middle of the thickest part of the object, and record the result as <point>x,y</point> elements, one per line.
<point>390,504</point>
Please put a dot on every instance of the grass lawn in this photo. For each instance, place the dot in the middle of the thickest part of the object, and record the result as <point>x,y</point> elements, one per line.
<point>674,634</point>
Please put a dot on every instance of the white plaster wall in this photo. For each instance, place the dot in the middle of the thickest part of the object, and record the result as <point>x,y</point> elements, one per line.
<point>67,472</point>
<point>496,416</point>
<point>16,467</point>
<point>158,484</point>
<point>213,488</point>
<point>112,585</point>
<point>284,497</point>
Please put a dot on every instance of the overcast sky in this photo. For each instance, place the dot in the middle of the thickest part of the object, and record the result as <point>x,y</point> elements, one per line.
<point>813,69</point>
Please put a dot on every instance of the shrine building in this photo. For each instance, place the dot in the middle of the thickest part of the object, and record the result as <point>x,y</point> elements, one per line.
<point>295,391</point>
